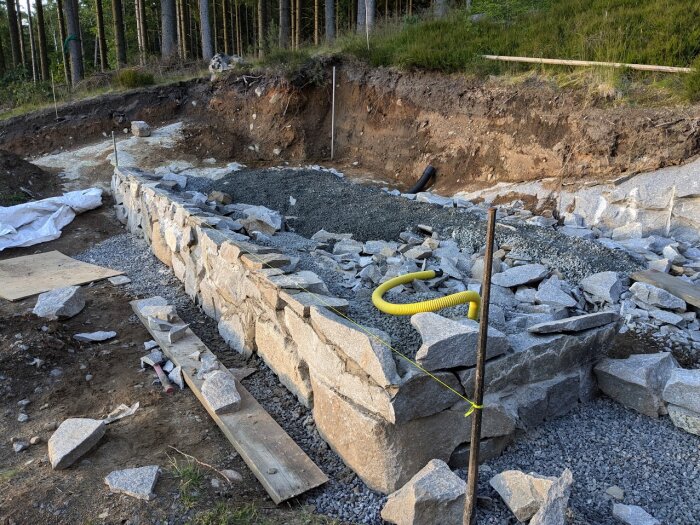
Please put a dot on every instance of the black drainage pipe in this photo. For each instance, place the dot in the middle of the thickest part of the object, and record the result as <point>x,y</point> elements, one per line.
<point>428,174</point>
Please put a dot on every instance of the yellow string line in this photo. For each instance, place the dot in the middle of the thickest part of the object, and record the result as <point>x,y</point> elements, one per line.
<point>473,406</point>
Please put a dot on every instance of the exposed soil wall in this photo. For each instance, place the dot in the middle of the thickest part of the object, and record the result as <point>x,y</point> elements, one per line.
<point>389,124</point>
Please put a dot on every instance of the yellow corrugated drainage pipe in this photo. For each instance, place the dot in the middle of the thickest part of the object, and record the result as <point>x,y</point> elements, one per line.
<point>432,305</point>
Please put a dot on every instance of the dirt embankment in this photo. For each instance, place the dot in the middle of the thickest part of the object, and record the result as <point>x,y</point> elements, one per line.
<point>476,132</point>
<point>85,121</point>
<point>390,124</point>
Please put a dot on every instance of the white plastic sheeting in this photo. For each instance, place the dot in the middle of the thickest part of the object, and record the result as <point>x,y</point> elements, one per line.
<point>40,221</point>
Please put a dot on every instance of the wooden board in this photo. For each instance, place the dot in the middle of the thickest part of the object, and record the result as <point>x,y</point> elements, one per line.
<point>276,460</point>
<point>37,273</point>
<point>678,287</point>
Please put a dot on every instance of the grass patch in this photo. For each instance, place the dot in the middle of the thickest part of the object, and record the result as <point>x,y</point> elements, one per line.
<point>7,475</point>
<point>692,83</point>
<point>250,514</point>
<point>190,478</point>
<point>133,78</point>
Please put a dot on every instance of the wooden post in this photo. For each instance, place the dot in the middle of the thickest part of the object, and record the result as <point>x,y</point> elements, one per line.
<point>478,398</point>
<point>116,155</point>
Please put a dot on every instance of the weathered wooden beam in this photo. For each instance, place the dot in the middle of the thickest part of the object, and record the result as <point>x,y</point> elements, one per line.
<point>564,62</point>
<point>276,460</point>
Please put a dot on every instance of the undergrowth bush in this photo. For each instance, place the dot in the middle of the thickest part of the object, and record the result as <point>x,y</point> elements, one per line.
<point>133,78</point>
<point>692,82</point>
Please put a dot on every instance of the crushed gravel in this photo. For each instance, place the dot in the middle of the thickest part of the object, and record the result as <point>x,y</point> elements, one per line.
<point>326,201</point>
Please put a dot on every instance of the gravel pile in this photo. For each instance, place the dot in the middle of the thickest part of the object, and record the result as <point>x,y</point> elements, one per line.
<point>325,201</point>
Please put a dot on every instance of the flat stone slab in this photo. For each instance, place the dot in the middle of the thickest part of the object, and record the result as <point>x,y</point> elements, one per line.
<point>219,390</point>
<point>575,324</point>
<point>603,286</point>
<point>72,439</point>
<point>136,482</point>
<point>522,493</point>
<point>119,280</point>
<point>434,496</point>
<point>633,515</point>
<point>551,294</point>
<point>302,302</point>
<point>636,382</point>
<point>304,280</point>
<point>650,295</point>
<point>262,219</point>
<point>520,275</point>
<point>683,389</point>
<point>450,344</point>
<point>94,337</point>
<point>61,303</point>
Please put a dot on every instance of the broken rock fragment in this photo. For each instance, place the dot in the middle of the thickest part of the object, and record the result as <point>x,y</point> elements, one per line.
<point>633,515</point>
<point>575,324</point>
<point>520,275</point>
<point>140,129</point>
<point>94,337</point>
<point>261,219</point>
<point>553,508</point>
<point>136,482</point>
<point>219,390</point>
<point>72,439</point>
<point>649,296</point>
<point>522,493</point>
<point>61,303</point>
<point>603,287</point>
<point>434,496</point>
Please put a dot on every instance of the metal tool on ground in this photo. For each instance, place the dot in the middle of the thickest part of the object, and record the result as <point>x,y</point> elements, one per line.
<point>155,359</point>
<point>478,398</point>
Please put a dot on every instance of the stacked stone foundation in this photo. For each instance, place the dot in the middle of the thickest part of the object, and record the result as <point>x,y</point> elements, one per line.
<point>383,417</point>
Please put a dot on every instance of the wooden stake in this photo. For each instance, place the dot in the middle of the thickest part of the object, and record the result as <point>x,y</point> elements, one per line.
<point>53,90</point>
<point>116,155</point>
<point>473,469</point>
<point>333,116</point>
<point>560,62</point>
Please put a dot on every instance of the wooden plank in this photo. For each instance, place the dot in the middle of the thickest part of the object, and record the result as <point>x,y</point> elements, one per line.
<point>37,273</point>
<point>276,460</point>
<point>678,287</point>
<point>565,62</point>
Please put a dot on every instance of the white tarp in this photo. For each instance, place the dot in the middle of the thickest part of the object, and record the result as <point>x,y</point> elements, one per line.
<point>40,221</point>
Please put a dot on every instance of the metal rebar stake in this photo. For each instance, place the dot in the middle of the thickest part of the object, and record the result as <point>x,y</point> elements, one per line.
<point>473,468</point>
<point>116,155</point>
<point>333,117</point>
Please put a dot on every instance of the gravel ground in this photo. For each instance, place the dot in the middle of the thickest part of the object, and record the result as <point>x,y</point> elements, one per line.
<point>604,444</point>
<point>324,200</point>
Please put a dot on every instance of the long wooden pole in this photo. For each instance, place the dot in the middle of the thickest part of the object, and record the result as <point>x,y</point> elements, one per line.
<point>561,62</point>
<point>475,441</point>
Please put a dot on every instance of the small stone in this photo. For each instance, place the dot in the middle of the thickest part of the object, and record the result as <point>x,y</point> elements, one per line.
<point>94,337</point>
<point>683,389</point>
<point>166,313</point>
<point>20,445</point>
<point>23,418</point>
<point>177,332</point>
<point>177,178</point>
<point>603,286</point>
<point>615,492</point>
<point>434,496</point>
<point>35,440</point>
<point>140,129</point>
<point>520,275</point>
<point>61,303</point>
<point>220,197</point>
<point>136,482</point>
<point>73,438</point>
<point>219,390</point>
<point>418,252</point>
<point>661,265</point>
<point>553,508</point>
<point>685,419</point>
<point>344,246</point>
<point>522,493</point>
<point>119,280</point>
<point>632,230</point>
<point>551,294</point>
<point>88,377</point>
<point>215,483</point>
<point>575,324</point>
<point>232,475</point>
<point>272,470</point>
<point>432,198</point>
<point>653,296</point>
<point>261,219</point>
<point>175,376</point>
<point>633,515</point>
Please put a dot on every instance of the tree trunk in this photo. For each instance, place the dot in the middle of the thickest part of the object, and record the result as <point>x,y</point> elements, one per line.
<point>119,36</point>
<point>41,33</point>
<point>239,44</point>
<point>140,30</point>
<point>225,27</point>
<point>168,22</point>
<point>104,64</point>
<point>75,47</point>
<point>371,14</point>
<point>64,35</point>
<point>20,28</point>
<point>14,33</point>
<point>440,8</point>
<point>262,28</point>
<point>297,24</point>
<point>215,25</point>
<point>361,16</point>
<point>3,65</point>
<point>205,30</point>
<point>284,24</point>
<point>330,20</point>
<point>32,50</point>
<point>316,35</point>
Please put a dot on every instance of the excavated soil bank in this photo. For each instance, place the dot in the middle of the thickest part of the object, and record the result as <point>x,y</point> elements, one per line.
<point>389,124</point>
<point>21,181</point>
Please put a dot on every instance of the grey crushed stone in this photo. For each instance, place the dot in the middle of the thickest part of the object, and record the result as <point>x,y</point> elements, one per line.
<point>325,201</point>
<point>603,443</point>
